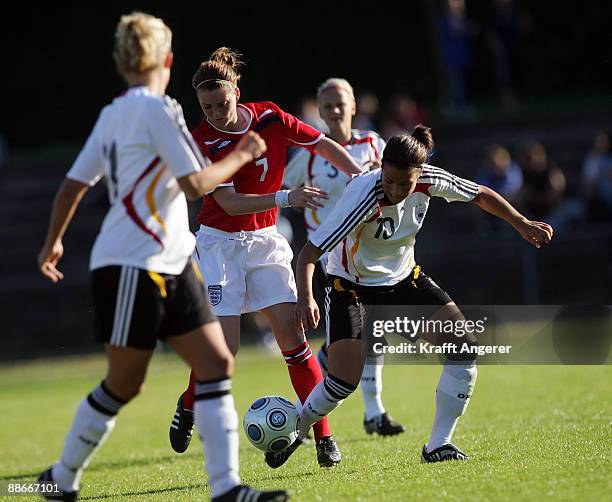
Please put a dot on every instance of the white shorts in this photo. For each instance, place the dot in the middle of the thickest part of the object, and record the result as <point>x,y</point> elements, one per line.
<point>245,271</point>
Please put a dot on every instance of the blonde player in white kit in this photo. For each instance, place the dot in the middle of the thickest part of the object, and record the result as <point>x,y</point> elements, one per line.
<point>371,237</point>
<point>337,108</point>
<point>145,287</point>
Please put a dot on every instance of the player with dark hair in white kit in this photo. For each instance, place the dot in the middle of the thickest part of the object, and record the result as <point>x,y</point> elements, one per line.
<point>337,108</point>
<point>245,261</point>
<point>370,237</point>
<point>145,287</point>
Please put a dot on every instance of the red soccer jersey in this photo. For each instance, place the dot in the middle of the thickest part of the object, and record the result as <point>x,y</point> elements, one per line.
<point>262,176</point>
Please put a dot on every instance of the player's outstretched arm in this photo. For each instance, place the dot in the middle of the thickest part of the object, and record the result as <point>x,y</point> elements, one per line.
<point>65,203</point>
<point>536,233</point>
<point>195,185</point>
<point>307,310</point>
<point>234,203</point>
<point>337,156</point>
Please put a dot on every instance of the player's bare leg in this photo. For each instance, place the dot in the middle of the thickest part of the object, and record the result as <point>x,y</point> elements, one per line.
<point>305,374</point>
<point>206,351</point>
<point>181,428</point>
<point>453,393</point>
<point>95,417</point>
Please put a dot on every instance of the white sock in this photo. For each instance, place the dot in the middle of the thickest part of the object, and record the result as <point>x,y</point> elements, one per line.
<point>217,422</point>
<point>92,424</point>
<point>322,400</point>
<point>453,394</point>
<point>371,390</point>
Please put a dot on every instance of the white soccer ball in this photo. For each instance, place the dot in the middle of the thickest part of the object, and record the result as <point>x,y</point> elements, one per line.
<point>271,423</point>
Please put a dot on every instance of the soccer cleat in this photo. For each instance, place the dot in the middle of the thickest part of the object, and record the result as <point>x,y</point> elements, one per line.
<point>328,454</point>
<point>181,428</point>
<point>245,493</point>
<point>46,478</point>
<point>275,459</point>
<point>445,452</point>
<point>383,425</point>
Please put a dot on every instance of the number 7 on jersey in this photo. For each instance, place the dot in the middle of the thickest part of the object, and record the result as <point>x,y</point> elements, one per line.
<point>263,162</point>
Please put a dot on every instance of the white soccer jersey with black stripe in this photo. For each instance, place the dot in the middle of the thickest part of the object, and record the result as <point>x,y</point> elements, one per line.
<point>141,144</point>
<point>371,242</point>
<point>309,169</point>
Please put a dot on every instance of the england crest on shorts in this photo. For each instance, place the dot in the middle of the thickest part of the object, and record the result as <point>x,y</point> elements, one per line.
<point>215,293</point>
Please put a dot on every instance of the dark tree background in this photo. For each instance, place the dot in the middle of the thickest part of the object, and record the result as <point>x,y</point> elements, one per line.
<point>60,71</point>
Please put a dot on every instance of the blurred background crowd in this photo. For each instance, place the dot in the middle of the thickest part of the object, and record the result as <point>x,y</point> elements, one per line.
<point>517,94</point>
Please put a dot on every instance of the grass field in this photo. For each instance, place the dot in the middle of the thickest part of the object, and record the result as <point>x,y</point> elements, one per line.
<point>531,431</point>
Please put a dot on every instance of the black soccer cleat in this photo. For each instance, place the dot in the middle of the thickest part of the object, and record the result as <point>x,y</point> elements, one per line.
<point>328,454</point>
<point>275,459</point>
<point>181,428</point>
<point>443,453</point>
<point>383,425</point>
<point>46,479</point>
<point>244,493</point>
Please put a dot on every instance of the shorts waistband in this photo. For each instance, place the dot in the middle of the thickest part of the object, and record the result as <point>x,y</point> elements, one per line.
<point>243,234</point>
<point>340,283</point>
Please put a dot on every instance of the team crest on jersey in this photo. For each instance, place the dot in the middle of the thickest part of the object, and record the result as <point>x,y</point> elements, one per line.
<point>419,211</point>
<point>215,293</point>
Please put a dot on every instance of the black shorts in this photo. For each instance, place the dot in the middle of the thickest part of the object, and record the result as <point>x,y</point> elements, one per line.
<point>135,307</point>
<point>345,301</point>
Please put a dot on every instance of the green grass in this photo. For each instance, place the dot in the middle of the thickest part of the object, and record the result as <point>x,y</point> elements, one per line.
<point>531,431</point>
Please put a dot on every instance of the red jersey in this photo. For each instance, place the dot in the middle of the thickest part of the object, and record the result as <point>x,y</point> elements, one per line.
<point>262,176</point>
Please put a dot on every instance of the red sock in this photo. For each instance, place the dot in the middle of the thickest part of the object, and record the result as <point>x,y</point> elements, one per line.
<point>189,394</point>
<point>305,374</point>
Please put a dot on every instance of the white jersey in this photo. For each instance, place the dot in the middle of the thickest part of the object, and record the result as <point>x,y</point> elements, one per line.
<point>310,169</point>
<point>141,144</point>
<point>371,241</point>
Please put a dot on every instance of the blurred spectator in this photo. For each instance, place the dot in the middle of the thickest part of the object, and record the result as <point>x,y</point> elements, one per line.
<point>502,174</point>
<point>455,31</point>
<point>367,108</point>
<point>542,195</point>
<point>404,113</point>
<point>508,25</point>
<point>543,182</point>
<point>596,178</point>
<point>308,111</point>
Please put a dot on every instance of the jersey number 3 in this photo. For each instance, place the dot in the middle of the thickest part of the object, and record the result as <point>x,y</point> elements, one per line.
<point>263,162</point>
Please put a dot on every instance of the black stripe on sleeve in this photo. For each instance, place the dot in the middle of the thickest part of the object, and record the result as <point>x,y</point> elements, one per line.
<point>455,182</point>
<point>467,184</point>
<point>352,220</point>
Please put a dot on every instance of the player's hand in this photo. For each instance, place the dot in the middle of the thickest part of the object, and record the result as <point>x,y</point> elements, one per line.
<point>252,143</point>
<point>48,258</point>
<point>307,197</point>
<point>306,314</point>
<point>537,233</point>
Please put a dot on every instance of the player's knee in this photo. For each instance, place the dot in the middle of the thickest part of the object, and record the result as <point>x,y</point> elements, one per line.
<point>227,363</point>
<point>464,347</point>
<point>131,390</point>
<point>465,352</point>
<point>221,366</point>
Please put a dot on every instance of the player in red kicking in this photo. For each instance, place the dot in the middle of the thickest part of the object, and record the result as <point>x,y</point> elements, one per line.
<point>245,261</point>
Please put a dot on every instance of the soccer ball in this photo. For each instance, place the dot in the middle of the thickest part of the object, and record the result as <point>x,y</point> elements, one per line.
<point>271,423</point>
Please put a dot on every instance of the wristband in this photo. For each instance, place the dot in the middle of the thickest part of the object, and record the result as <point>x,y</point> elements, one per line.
<point>281,199</point>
